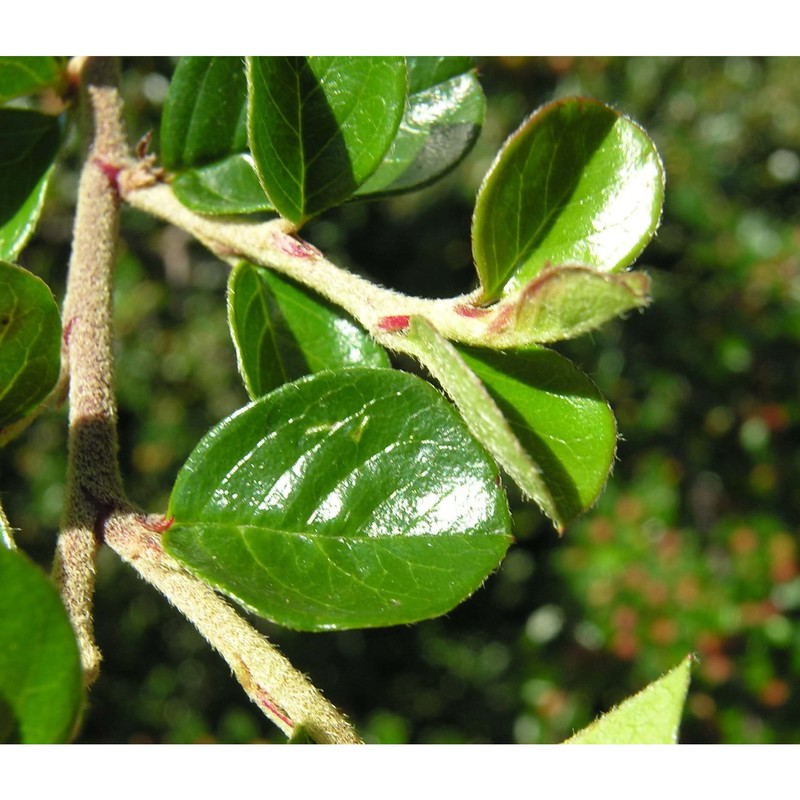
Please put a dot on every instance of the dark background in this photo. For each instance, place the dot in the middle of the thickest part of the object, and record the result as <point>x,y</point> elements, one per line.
<point>693,546</point>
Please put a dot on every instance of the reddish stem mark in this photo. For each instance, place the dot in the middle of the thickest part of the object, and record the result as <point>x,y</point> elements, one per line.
<point>67,331</point>
<point>500,322</point>
<point>394,323</point>
<point>266,701</point>
<point>296,247</point>
<point>111,171</point>
<point>471,311</point>
<point>156,523</point>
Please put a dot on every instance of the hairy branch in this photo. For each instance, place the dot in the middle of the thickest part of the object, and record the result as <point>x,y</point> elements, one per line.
<point>96,508</point>
<point>272,683</point>
<point>381,311</point>
<point>94,486</point>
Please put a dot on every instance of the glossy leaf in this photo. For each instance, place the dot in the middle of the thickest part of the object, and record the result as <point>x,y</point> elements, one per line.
<point>227,186</point>
<point>652,716</point>
<point>21,75</point>
<point>30,342</point>
<point>427,71</point>
<point>29,142</point>
<point>442,119</point>
<point>346,499</point>
<point>41,686</point>
<point>479,410</point>
<point>320,126</point>
<point>578,183</point>
<point>204,137</point>
<point>564,302</point>
<point>204,117</point>
<point>559,417</point>
<point>283,331</point>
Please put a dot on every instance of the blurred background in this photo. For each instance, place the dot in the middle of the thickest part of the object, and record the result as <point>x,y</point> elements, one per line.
<point>693,545</point>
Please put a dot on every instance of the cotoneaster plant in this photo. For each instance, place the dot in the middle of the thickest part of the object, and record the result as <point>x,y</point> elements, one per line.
<point>348,493</point>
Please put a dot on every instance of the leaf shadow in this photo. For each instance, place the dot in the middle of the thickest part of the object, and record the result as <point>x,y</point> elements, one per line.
<point>28,143</point>
<point>559,158</point>
<point>329,172</point>
<point>546,371</point>
<point>9,724</point>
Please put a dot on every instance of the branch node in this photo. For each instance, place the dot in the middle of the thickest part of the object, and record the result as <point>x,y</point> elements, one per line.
<point>296,247</point>
<point>471,311</point>
<point>111,171</point>
<point>105,510</point>
<point>156,522</point>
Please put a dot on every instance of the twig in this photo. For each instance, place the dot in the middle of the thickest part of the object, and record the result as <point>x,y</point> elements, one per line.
<point>272,683</point>
<point>272,244</point>
<point>94,486</point>
<point>96,508</point>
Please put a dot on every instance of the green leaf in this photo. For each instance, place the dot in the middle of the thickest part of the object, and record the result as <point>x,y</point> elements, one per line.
<point>29,142</point>
<point>21,75</point>
<point>652,716</point>
<point>441,123</point>
<point>577,184</point>
<point>544,421</point>
<point>283,331</point>
<point>425,72</point>
<point>30,342</point>
<point>559,417</point>
<point>479,410</point>
<point>204,137</point>
<point>227,186</point>
<point>41,686</point>
<point>204,117</point>
<point>320,126</point>
<point>346,499</point>
<point>562,303</point>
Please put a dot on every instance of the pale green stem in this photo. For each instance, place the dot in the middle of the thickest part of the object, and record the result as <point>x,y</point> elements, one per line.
<point>272,244</point>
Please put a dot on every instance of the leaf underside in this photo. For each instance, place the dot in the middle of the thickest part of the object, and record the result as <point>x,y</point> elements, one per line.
<point>652,716</point>
<point>443,117</point>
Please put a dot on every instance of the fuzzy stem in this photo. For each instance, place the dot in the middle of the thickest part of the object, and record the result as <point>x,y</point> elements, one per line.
<point>96,508</point>
<point>271,682</point>
<point>94,485</point>
<point>272,245</point>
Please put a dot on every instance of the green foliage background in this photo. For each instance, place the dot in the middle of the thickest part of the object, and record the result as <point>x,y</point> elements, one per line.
<point>693,546</point>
